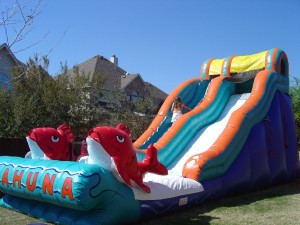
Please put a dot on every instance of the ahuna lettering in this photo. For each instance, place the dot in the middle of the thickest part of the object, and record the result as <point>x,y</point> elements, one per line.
<point>18,178</point>
<point>31,186</point>
<point>67,188</point>
<point>31,182</point>
<point>5,178</point>
<point>48,184</point>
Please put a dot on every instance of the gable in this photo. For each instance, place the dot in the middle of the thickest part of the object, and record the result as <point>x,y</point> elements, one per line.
<point>7,62</point>
<point>156,92</point>
<point>135,86</point>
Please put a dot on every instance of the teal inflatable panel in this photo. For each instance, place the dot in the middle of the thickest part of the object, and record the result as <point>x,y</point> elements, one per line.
<point>83,189</point>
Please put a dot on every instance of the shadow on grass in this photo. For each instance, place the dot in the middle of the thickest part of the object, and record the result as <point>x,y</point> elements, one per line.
<point>286,189</point>
<point>196,214</point>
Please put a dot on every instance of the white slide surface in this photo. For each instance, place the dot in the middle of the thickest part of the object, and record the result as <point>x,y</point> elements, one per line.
<point>174,184</point>
<point>208,134</point>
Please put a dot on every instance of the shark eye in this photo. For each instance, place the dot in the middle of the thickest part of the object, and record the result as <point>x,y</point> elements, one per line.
<point>54,139</point>
<point>120,139</point>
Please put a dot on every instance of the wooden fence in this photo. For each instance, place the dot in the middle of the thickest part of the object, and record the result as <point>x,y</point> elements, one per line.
<point>13,147</point>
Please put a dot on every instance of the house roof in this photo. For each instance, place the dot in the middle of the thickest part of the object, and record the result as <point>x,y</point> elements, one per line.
<point>88,67</point>
<point>100,63</point>
<point>100,66</point>
<point>156,92</point>
<point>127,79</point>
<point>10,53</point>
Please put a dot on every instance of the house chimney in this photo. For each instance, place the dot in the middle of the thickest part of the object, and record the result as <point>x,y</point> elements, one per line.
<point>114,60</point>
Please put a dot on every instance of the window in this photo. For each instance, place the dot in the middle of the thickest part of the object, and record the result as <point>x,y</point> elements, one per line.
<point>133,97</point>
<point>5,81</point>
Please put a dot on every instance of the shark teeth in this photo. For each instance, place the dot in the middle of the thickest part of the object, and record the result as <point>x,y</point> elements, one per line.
<point>35,150</point>
<point>98,155</point>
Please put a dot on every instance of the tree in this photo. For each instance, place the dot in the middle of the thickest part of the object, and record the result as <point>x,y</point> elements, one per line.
<point>39,100</point>
<point>6,117</point>
<point>295,94</point>
<point>82,95</point>
<point>137,116</point>
<point>17,20</point>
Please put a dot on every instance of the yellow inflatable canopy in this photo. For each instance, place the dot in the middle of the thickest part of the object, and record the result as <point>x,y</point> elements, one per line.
<point>240,63</point>
<point>274,59</point>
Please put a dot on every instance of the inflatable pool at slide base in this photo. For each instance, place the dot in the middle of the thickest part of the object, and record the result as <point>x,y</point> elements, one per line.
<point>239,137</point>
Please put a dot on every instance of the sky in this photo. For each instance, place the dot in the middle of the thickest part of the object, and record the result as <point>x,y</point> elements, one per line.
<point>165,41</point>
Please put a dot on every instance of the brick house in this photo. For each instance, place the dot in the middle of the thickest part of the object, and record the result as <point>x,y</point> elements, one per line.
<point>117,79</point>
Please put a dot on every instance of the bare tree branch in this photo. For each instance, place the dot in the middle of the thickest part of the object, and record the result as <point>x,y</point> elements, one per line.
<point>23,74</point>
<point>26,23</point>
<point>7,15</point>
<point>17,22</point>
<point>35,43</point>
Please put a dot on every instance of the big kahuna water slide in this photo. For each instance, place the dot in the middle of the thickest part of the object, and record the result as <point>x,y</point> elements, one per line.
<point>240,136</point>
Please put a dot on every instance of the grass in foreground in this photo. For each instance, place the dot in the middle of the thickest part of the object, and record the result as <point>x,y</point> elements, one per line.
<point>275,206</point>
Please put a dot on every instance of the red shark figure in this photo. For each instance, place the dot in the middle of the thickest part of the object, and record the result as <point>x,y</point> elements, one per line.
<point>112,148</point>
<point>50,143</point>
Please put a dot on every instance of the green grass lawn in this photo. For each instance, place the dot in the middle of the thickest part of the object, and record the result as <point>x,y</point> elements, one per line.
<point>275,205</point>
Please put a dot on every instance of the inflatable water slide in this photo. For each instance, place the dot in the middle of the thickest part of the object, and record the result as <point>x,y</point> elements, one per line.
<point>239,136</point>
